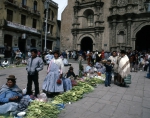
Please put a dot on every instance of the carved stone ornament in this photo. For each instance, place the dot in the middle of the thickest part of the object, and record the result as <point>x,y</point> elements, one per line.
<point>129,9</point>
<point>122,2</point>
<point>114,10</point>
<point>122,10</point>
<point>136,24</point>
<point>113,2</point>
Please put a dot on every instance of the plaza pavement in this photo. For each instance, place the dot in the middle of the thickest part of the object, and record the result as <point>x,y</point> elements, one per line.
<point>103,102</point>
<point>114,101</point>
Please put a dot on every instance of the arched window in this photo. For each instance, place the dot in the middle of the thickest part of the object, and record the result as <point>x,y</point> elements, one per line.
<point>35,6</point>
<point>121,37</point>
<point>90,20</point>
<point>52,15</point>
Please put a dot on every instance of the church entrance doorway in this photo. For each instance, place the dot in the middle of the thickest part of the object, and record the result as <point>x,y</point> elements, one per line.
<point>87,44</point>
<point>143,39</point>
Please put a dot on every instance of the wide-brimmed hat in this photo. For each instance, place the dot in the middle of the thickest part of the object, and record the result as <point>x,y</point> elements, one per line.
<point>11,77</point>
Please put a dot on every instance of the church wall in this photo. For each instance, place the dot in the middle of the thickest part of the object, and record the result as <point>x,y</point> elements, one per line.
<point>106,33</point>
<point>66,26</point>
<point>115,24</point>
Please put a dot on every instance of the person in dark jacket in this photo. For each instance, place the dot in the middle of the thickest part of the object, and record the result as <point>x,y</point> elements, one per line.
<point>34,65</point>
<point>109,67</point>
<point>70,72</point>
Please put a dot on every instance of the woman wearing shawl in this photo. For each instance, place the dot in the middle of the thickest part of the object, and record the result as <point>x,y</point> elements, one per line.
<point>124,66</point>
<point>10,92</point>
<point>10,95</point>
<point>100,68</point>
<point>53,81</point>
<point>67,81</point>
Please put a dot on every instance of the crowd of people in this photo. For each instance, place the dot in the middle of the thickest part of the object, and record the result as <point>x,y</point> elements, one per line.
<point>117,65</point>
<point>122,63</point>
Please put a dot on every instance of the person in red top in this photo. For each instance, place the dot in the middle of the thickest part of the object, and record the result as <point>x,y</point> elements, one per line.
<point>102,54</point>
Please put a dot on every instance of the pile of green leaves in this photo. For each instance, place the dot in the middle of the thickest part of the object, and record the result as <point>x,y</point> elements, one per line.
<point>39,109</point>
<point>6,116</point>
<point>94,81</point>
<point>75,94</point>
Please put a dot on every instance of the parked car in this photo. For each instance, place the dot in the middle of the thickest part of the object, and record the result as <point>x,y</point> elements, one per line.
<point>2,49</point>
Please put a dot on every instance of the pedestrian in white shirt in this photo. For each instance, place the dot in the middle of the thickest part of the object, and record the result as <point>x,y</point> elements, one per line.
<point>5,63</point>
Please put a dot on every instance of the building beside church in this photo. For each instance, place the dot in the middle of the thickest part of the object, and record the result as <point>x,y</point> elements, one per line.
<point>106,24</point>
<point>22,24</point>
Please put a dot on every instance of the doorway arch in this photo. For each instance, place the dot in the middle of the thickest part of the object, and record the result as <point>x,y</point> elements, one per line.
<point>87,44</point>
<point>8,45</point>
<point>22,44</point>
<point>143,39</point>
<point>33,43</point>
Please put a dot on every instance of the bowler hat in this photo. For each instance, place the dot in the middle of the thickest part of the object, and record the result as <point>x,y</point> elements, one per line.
<point>11,77</point>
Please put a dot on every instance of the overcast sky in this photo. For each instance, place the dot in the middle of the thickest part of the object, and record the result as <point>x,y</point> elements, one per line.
<point>61,4</point>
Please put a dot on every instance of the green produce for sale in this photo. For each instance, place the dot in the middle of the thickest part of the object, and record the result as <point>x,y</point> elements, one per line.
<point>75,94</point>
<point>39,109</point>
<point>94,81</point>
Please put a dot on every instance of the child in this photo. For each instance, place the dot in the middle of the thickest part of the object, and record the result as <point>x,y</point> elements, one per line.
<point>109,67</point>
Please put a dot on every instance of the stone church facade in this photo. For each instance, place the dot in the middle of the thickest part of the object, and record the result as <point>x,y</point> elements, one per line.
<point>103,24</point>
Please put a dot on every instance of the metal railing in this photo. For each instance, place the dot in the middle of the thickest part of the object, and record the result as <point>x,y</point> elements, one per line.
<point>13,2</point>
<point>35,11</point>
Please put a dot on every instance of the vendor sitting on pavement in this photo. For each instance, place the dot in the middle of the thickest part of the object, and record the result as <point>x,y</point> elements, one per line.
<point>67,80</point>
<point>70,72</point>
<point>10,95</point>
<point>100,67</point>
<point>5,63</point>
<point>10,92</point>
<point>88,68</point>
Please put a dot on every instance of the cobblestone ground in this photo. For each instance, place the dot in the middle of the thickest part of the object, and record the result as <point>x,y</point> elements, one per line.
<point>103,102</point>
<point>114,101</point>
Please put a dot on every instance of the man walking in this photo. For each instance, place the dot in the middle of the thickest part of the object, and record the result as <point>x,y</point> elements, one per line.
<point>34,65</point>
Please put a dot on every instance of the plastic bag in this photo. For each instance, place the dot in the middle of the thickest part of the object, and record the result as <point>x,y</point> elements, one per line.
<point>24,91</point>
<point>42,97</point>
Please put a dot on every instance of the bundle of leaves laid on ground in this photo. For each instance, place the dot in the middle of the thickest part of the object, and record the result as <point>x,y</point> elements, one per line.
<point>93,81</point>
<point>75,94</point>
<point>6,116</point>
<point>39,109</point>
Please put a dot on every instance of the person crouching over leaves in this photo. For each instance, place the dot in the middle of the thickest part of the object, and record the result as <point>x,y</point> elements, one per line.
<point>53,82</point>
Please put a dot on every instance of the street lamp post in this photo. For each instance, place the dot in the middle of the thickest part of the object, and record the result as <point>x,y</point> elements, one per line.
<point>46,5</point>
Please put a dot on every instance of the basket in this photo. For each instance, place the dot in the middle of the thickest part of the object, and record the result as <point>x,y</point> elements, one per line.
<point>127,79</point>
